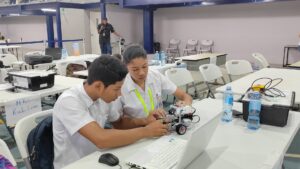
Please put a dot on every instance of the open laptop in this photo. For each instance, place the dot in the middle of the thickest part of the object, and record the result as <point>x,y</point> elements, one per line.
<point>56,53</point>
<point>172,152</point>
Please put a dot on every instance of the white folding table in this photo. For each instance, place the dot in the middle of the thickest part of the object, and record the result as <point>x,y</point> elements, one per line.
<point>232,146</point>
<point>291,81</point>
<point>62,83</point>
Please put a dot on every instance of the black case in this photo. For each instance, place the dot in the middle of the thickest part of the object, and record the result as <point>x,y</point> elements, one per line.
<point>275,115</point>
<point>38,59</point>
<point>34,83</point>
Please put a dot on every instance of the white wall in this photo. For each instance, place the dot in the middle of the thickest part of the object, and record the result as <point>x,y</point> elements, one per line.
<point>237,30</point>
<point>27,28</point>
<point>75,25</point>
<point>127,22</point>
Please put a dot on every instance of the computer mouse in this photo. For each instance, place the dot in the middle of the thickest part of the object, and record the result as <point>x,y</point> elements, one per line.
<point>109,159</point>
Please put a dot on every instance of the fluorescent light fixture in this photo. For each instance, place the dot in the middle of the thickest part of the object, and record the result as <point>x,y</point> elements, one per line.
<point>48,10</point>
<point>208,3</point>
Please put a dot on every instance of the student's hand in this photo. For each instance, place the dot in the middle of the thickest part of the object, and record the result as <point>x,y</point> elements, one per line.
<point>156,129</point>
<point>155,115</point>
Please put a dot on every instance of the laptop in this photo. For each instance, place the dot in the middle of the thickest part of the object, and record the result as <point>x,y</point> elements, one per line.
<point>56,53</point>
<point>173,152</point>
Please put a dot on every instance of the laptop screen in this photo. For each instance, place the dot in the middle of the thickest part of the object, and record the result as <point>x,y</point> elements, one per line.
<point>54,52</point>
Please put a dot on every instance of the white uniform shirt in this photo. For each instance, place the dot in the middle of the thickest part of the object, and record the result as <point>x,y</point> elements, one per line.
<point>72,111</point>
<point>130,105</point>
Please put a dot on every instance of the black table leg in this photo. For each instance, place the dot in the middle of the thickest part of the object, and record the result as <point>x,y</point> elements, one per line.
<point>287,56</point>
<point>283,61</point>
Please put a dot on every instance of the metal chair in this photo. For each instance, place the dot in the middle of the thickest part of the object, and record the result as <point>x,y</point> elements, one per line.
<point>191,47</point>
<point>206,46</point>
<point>211,73</point>
<point>238,68</point>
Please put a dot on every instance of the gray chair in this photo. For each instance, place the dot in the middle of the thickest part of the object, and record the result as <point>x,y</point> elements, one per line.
<point>173,48</point>
<point>206,46</point>
<point>211,73</point>
<point>191,47</point>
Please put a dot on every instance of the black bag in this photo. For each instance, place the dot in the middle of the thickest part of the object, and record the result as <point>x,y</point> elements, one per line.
<point>40,145</point>
<point>38,59</point>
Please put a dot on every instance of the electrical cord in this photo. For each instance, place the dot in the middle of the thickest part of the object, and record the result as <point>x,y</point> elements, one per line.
<point>120,166</point>
<point>269,88</point>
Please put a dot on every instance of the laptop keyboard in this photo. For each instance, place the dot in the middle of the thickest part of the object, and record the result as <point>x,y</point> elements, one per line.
<point>169,151</point>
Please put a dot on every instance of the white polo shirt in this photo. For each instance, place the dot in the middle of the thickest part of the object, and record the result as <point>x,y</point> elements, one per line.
<point>73,110</point>
<point>129,103</point>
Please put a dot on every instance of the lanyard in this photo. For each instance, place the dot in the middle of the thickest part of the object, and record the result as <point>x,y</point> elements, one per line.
<point>138,94</point>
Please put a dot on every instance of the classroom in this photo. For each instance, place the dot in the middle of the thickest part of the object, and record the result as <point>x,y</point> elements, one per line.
<point>149,84</point>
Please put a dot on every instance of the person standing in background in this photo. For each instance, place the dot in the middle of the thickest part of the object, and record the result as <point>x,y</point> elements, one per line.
<point>104,30</point>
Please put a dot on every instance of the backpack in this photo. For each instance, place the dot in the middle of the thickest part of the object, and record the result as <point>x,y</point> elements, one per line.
<point>73,67</point>
<point>40,145</point>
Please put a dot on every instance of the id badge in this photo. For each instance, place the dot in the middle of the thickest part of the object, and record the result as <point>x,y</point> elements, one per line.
<point>159,101</point>
<point>103,34</point>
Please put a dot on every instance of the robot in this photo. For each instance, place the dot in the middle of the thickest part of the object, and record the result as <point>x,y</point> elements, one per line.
<point>180,118</point>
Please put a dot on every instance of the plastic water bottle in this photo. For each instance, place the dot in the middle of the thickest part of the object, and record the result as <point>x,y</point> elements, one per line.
<point>162,58</point>
<point>227,105</point>
<point>254,111</point>
<point>157,58</point>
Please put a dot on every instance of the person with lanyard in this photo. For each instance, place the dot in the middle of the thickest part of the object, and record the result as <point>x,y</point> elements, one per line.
<point>143,88</point>
<point>80,113</point>
<point>104,30</point>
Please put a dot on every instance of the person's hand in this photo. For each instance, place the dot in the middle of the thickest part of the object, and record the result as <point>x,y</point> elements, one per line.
<point>156,129</point>
<point>155,115</point>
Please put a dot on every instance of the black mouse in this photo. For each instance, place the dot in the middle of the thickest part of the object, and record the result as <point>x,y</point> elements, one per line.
<point>109,159</point>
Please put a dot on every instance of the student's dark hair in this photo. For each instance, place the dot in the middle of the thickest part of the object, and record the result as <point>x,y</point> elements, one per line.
<point>107,69</point>
<point>132,52</point>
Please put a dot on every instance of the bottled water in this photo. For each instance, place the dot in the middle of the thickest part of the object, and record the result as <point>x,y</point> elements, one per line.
<point>254,110</point>
<point>157,58</point>
<point>227,105</point>
<point>162,58</point>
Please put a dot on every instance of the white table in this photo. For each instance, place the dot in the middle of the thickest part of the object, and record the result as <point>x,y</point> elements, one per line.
<point>291,81</point>
<point>232,146</point>
<point>159,68</point>
<point>194,61</point>
<point>295,65</point>
<point>10,47</point>
<point>200,56</point>
<point>62,83</point>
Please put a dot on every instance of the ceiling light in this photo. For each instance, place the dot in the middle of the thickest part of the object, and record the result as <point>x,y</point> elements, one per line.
<point>48,10</point>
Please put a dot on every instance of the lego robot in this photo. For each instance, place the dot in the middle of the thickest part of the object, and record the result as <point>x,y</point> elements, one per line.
<point>180,118</point>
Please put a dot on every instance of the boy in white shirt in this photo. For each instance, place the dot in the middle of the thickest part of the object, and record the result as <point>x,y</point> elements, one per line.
<point>80,114</point>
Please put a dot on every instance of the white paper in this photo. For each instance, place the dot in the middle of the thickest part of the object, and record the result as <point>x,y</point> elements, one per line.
<point>16,110</point>
<point>20,81</point>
